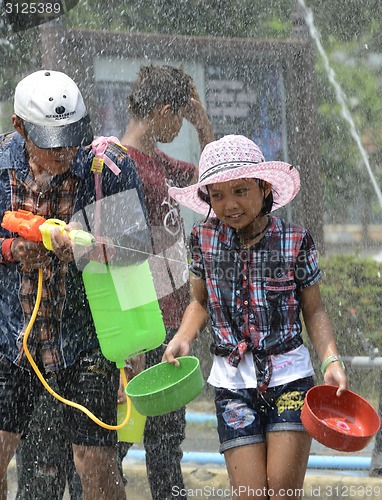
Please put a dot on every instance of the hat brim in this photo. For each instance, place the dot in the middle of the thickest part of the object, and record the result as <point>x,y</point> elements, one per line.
<point>284,178</point>
<point>70,135</point>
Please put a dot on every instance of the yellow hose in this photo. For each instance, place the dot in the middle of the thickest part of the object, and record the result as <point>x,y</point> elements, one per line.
<point>45,383</point>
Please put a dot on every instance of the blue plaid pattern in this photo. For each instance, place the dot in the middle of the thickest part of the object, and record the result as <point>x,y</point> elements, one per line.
<point>253,298</point>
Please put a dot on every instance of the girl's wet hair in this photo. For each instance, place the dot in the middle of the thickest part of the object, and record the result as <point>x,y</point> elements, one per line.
<point>204,196</point>
<point>267,201</point>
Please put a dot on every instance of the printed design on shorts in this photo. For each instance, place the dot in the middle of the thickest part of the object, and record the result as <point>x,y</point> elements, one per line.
<point>293,400</point>
<point>238,415</point>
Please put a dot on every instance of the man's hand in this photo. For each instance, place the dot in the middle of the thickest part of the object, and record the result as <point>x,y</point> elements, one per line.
<point>133,366</point>
<point>62,244</point>
<point>31,254</point>
<point>195,113</point>
<point>64,247</point>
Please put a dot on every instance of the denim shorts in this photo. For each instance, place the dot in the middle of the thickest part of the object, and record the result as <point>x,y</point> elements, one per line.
<point>244,415</point>
<point>91,381</point>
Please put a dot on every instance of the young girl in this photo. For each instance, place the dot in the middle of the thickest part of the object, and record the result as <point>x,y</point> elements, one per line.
<point>252,274</point>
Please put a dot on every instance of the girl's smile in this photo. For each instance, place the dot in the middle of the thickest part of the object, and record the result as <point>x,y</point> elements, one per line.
<point>238,203</point>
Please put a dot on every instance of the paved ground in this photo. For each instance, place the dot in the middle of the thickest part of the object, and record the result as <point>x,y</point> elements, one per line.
<point>210,481</point>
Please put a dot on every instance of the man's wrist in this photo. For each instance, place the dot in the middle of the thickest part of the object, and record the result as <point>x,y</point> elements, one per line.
<point>6,249</point>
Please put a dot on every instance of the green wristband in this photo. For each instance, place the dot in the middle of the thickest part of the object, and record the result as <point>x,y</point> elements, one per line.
<point>329,360</point>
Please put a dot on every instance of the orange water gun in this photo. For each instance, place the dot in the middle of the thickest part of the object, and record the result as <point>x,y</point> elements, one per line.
<point>36,228</point>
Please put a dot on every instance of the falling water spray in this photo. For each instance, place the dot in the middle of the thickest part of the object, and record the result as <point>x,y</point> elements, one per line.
<point>341,98</point>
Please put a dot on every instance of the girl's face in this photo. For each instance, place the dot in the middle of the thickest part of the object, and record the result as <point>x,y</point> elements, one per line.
<point>237,202</point>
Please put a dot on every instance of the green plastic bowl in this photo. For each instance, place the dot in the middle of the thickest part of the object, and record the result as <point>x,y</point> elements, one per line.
<point>164,388</point>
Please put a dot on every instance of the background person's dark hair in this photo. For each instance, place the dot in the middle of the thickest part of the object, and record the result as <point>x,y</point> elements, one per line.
<point>158,86</point>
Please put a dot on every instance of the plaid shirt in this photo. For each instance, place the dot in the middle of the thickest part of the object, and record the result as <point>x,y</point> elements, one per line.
<point>55,202</point>
<point>253,293</point>
<point>63,326</point>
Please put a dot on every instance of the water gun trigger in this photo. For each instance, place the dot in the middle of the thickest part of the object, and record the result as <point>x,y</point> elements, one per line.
<point>45,229</point>
<point>78,236</point>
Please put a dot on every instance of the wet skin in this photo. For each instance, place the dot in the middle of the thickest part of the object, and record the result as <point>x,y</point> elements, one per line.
<point>238,203</point>
<point>45,164</point>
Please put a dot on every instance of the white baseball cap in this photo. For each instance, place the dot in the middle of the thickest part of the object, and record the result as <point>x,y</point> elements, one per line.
<point>53,111</point>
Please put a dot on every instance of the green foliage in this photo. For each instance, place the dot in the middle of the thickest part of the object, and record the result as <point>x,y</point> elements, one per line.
<point>19,54</point>
<point>343,169</point>
<point>351,289</point>
<point>227,18</point>
<point>346,20</point>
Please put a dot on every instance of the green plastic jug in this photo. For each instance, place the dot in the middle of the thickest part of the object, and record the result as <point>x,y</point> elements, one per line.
<point>125,309</point>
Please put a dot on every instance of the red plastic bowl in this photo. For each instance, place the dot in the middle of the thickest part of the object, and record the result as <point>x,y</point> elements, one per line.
<point>345,423</point>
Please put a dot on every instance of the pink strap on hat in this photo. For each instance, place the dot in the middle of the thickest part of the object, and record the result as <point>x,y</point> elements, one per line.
<point>99,146</point>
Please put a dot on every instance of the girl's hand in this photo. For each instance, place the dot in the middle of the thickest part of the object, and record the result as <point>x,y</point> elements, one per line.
<point>335,375</point>
<point>194,319</point>
<point>178,347</point>
<point>321,334</point>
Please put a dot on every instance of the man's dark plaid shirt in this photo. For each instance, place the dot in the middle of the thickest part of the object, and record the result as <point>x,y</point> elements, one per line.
<point>58,332</point>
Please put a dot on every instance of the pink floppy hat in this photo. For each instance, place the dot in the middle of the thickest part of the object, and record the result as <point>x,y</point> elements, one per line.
<point>236,157</point>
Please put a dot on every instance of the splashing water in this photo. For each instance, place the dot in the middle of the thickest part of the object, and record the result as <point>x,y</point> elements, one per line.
<point>341,98</point>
